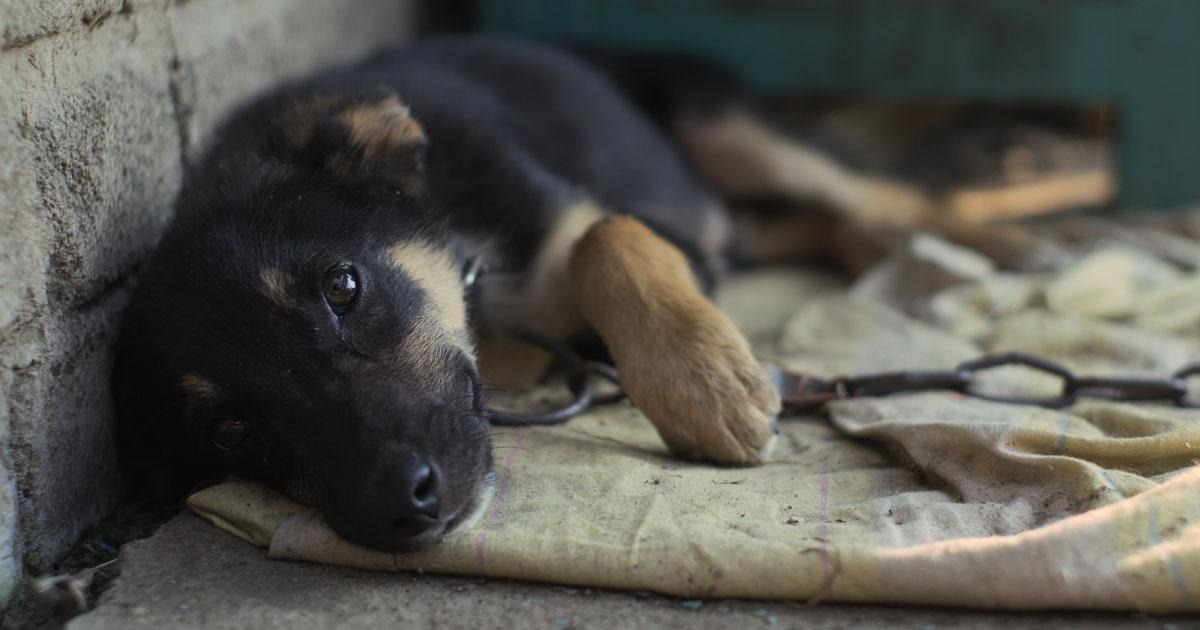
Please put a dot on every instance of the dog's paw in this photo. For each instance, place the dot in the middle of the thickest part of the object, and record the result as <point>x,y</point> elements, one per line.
<point>697,381</point>
<point>681,360</point>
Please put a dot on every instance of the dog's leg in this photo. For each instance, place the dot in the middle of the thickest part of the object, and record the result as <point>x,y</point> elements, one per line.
<point>681,360</point>
<point>741,156</point>
<point>865,217</point>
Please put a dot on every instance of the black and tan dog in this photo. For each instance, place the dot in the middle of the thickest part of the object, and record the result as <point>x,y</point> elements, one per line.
<point>303,321</point>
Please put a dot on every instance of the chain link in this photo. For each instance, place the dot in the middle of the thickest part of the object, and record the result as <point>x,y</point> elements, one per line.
<point>580,376</point>
<point>579,372</point>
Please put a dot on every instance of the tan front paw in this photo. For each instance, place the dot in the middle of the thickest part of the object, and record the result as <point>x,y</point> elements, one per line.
<point>681,360</point>
<point>703,390</point>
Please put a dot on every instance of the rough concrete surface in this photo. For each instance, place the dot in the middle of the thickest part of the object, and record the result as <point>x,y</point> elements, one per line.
<point>191,574</point>
<point>93,120</point>
<point>102,104</point>
<point>22,21</point>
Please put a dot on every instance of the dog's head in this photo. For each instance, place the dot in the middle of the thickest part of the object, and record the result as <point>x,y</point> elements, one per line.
<point>303,323</point>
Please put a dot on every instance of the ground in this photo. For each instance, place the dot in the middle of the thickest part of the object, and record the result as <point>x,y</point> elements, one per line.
<point>191,574</point>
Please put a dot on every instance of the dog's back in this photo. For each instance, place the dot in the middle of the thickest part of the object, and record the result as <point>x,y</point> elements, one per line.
<point>516,132</point>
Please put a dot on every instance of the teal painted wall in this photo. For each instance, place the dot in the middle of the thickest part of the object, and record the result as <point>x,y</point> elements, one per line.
<point>1143,56</point>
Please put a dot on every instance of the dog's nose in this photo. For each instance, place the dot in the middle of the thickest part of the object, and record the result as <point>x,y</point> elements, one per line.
<point>418,494</point>
<point>392,504</point>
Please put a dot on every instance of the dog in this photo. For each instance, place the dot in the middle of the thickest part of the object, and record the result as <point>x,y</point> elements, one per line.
<point>303,321</point>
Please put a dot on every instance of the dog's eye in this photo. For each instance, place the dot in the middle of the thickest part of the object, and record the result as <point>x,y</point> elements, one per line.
<point>340,286</point>
<point>229,433</point>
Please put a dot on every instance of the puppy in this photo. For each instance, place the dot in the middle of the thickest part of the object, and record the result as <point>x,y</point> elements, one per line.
<point>303,321</point>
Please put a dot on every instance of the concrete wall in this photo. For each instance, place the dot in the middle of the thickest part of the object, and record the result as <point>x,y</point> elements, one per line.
<point>102,103</point>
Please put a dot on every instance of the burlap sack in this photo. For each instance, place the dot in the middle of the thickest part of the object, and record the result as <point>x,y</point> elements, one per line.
<point>930,498</point>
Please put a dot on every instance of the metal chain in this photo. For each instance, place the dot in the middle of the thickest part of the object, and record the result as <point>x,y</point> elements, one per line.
<point>579,374</point>
<point>802,392</point>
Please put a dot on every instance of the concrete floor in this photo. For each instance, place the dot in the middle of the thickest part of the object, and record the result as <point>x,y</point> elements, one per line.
<point>190,574</point>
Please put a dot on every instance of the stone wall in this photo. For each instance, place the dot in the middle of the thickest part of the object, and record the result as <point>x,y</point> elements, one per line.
<point>102,104</point>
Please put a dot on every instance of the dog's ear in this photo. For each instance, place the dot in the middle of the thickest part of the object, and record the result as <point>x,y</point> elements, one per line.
<point>369,138</point>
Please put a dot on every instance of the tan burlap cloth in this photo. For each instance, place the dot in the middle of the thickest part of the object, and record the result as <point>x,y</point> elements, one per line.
<point>930,498</point>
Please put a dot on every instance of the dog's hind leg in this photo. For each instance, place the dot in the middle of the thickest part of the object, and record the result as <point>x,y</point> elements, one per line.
<point>681,360</point>
<point>863,217</point>
<point>742,156</point>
